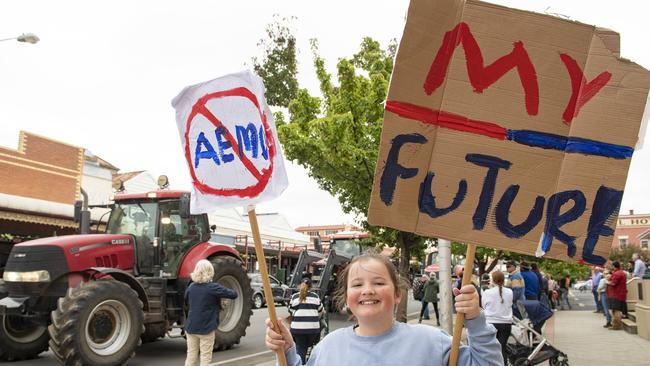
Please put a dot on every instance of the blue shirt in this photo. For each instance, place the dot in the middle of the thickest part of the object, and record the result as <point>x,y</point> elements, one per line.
<point>205,303</point>
<point>404,344</point>
<point>531,284</point>
<point>595,280</point>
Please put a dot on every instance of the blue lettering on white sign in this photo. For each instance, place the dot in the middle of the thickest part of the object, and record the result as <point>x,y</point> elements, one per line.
<point>249,140</point>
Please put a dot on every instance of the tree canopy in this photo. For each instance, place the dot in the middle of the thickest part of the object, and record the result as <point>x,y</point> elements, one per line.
<point>335,136</point>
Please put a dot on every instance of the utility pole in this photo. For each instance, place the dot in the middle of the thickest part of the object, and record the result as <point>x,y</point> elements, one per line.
<point>445,294</point>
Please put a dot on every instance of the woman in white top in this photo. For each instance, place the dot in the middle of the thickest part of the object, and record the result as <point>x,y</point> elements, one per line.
<point>497,305</point>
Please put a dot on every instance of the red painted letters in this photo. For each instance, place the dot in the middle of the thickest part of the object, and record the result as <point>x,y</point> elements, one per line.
<point>581,90</point>
<point>482,77</point>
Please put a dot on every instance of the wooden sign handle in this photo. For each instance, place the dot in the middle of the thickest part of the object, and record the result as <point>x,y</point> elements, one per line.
<point>460,317</point>
<point>268,294</point>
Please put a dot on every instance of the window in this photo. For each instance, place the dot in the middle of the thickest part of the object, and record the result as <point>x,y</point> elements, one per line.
<point>645,243</point>
<point>312,233</point>
<point>622,242</point>
<point>330,232</point>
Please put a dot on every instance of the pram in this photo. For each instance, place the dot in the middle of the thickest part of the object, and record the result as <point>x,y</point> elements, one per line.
<point>527,344</point>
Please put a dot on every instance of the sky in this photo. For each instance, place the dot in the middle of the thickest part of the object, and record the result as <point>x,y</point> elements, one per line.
<point>104,73</point>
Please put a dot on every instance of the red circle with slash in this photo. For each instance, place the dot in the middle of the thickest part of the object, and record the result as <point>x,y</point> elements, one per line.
<point>262,176</point>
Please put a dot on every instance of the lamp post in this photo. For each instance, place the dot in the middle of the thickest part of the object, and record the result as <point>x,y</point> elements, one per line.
<point>25,37</point>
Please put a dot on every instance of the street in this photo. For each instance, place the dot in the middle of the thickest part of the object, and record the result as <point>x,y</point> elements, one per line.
<point>251,350</point>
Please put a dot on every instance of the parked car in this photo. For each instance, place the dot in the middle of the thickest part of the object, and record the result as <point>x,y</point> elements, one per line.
<point>281,293</point>
<point>582,286</point>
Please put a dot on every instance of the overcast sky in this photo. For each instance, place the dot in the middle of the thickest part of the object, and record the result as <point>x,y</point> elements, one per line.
<point>104,73</point>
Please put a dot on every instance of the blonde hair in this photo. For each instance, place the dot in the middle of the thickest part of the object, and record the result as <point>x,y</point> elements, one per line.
<point>304,288</point>
<point>203,272</point>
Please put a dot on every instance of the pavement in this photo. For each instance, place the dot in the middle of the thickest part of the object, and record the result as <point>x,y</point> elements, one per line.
<point>580,334</point>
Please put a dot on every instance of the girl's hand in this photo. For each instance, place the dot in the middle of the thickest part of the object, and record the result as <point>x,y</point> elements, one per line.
<point>467,301</point>
<point>278,341</point>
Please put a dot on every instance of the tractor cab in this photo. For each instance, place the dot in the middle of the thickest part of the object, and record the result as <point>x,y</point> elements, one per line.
<point>163,229</point>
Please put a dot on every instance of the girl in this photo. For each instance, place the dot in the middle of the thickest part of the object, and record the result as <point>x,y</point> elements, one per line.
<point>369,287</point>
<point>204,298</point>
<point>305,309</point>
<point>497,304</point>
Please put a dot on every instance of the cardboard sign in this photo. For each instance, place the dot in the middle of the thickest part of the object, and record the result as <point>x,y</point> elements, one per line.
<point>507,129</point>
<point>230,143</point>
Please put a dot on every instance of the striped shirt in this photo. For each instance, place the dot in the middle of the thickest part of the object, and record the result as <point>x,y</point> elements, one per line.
<point>306,315</point>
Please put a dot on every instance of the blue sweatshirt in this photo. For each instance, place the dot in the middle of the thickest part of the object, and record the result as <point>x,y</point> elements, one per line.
<point>532,284</point>
<point>205,304</point>
<point>405,344</point>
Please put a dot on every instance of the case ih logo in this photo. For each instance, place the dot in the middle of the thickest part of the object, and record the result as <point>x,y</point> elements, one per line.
<point>120,241</point>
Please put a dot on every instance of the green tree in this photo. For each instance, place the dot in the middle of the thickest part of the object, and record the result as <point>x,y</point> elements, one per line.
<point>279,65</point>
<point>336,136</point>
<point>624,255</point>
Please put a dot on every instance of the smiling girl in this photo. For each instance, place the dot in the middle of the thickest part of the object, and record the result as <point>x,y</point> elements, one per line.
<point>369,288</point>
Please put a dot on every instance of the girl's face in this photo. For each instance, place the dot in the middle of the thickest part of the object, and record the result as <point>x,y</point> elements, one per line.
<point>371,294</point>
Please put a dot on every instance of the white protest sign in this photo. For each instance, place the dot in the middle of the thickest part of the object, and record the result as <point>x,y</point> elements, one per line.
<point>230,143</point>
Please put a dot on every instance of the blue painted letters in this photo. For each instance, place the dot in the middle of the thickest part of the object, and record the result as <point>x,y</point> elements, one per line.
<point>393,170</point>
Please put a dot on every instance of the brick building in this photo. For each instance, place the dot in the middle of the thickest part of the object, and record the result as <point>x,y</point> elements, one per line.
<point>39,183</point>
<point>41,180</point>
<point>632,230</point>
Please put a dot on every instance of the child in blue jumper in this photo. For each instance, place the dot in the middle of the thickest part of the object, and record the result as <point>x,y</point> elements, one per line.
<point>369,287</point>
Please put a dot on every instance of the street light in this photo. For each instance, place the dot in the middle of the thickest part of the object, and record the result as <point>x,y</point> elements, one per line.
<point>25,37</point>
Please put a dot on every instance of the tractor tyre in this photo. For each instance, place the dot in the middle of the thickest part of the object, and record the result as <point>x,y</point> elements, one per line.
<point>98,323</point>
<point>21,339</point>
<point>153,331</point>
<point>235,314</point>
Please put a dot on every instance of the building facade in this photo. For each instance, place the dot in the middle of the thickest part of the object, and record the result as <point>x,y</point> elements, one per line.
<point>632,230</point>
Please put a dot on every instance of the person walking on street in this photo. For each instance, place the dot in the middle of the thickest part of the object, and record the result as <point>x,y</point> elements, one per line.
<point>616,295</point>
<point>204,299</point>
<point>370,287</point>
<point>639,266</point>
<point>565,285</point>
<point>595,281</point>
<point>497,304</point>
<point>418,294</point>
<point>430,296</point>
<point>602,293</point>
<point>305,309</point>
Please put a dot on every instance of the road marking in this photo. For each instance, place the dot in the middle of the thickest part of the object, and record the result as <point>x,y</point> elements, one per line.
<point>240,358</point>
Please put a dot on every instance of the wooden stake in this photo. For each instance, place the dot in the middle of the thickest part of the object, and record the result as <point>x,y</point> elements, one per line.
<point>460,317</point>
<point>268,294</point>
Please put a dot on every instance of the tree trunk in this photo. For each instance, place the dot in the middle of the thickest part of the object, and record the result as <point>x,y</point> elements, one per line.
<point>404,258</point>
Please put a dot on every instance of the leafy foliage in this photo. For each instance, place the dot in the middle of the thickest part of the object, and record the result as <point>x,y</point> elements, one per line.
<point>336,135</point>
<point>624,255</point>
<point>279,66</point>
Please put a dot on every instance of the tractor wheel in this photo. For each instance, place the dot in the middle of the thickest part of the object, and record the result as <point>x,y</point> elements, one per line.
<point>21,339</point>
<point>154,331</point>
<point>235,314</point>
<point>98,323</point>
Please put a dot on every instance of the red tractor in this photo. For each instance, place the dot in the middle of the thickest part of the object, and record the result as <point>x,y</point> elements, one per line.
<point>94,298</point>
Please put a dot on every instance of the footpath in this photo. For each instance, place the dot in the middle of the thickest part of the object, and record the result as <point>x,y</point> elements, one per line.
<point>580,334</point>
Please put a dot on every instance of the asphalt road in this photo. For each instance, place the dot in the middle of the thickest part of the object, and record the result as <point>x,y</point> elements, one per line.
<point>251,350</point>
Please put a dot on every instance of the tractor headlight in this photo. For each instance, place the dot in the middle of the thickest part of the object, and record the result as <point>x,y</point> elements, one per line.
<point>32,276</point>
